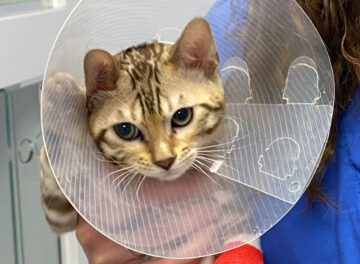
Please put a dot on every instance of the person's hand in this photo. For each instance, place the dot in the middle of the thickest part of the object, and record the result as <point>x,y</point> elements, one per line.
<point>101,250</point>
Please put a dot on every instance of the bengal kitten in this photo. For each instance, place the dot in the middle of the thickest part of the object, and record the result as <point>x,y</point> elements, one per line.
<point>150,107</point>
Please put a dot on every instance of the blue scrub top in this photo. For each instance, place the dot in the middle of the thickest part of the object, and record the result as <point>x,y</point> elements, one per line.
<point>321,234</point>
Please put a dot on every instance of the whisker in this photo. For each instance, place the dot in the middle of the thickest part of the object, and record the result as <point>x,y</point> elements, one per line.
<point>127,184</point>
<point>232,117</point>
<point>196,166</point>
<point>138,188</point>
<point>226,143</point>
<point>124,177</point>
<point>120,170</point>
<point>223,176</point>
<point>206,158</point>
<point>100,155</point>
<point>225,150</point>
<point>223,164</point>
<point>227,146</point>
<point>212,155</point>
<point>126,97</point>
<point>108,158</point>
<point>118,180</point>
<point>117,99</point>
<point>103,160</point>
<point>113,160</point>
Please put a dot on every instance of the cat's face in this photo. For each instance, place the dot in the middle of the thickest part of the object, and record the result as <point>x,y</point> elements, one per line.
<point>153,106</point>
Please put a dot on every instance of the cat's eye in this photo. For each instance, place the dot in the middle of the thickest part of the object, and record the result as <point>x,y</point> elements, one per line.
<point>127,131</point>
<point>182,117</point>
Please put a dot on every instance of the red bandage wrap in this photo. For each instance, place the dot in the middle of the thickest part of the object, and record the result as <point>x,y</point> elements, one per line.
<point>246,254</point>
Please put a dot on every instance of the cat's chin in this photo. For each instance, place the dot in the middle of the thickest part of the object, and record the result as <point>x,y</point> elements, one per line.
<point>167,175</point>
<point>172,177</point>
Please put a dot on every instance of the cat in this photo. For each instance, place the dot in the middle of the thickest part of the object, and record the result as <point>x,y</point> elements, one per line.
<point>149,108</point>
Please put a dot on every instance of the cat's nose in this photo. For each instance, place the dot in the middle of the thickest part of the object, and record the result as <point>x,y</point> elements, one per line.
<point>165,163</point>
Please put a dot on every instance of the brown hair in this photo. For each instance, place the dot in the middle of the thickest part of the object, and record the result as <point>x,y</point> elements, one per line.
<point>338,22</point>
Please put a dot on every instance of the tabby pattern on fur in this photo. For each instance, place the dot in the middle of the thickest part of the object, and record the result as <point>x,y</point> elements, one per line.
<point>150,110</point>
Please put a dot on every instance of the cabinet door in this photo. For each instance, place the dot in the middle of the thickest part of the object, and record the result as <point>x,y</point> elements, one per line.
<point>7,240</point>
<point>39,245</point>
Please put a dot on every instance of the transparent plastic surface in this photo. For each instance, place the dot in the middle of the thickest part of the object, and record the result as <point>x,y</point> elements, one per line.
<point>279,100</point>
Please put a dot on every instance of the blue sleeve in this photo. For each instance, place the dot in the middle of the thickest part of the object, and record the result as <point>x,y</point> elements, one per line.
<point>325,234</point>
<point>226,18</point>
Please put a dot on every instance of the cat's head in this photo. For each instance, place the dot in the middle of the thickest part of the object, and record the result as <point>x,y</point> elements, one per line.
<point>151,107</point>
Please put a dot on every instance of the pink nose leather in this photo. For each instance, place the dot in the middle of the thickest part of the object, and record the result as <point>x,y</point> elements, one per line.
<point>166,163</point>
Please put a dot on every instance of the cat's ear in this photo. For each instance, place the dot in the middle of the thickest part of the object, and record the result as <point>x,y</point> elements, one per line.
<point>195,49</point>
<point>101,72</point>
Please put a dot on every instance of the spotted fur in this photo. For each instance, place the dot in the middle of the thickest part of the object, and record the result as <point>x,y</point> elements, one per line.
<point>145,85</point>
